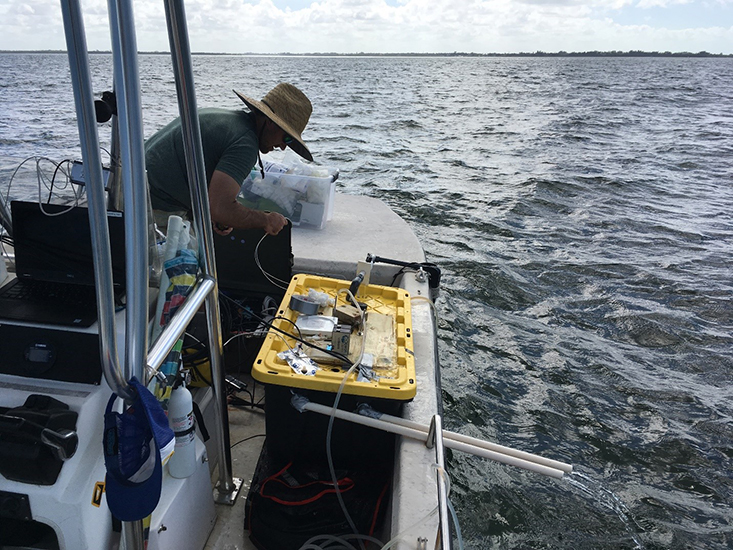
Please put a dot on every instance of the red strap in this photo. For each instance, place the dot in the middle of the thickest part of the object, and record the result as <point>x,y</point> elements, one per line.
<point>343,485</point>
<point>376,509</point>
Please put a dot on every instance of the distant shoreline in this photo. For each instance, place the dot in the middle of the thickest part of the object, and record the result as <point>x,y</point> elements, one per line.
<point>632,53</point>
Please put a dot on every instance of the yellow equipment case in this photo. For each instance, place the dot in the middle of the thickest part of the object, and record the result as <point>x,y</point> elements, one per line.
<point>300,437</point>
<point>387,340</point>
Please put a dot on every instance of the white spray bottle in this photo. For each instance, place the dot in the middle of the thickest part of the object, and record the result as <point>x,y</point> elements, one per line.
<point>181,420</point>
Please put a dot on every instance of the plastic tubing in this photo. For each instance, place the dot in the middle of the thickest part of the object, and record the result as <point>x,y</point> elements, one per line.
<point>459,536</point>
<point>331,413</point>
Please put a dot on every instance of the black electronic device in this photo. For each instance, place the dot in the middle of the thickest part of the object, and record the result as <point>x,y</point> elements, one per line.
<point>248,295</point>
<point>238,255</point>
<point>54,265</point>
<point>50,353</point>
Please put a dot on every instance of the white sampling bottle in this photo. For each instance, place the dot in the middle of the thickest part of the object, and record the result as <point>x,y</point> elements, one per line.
<point>181,420</point>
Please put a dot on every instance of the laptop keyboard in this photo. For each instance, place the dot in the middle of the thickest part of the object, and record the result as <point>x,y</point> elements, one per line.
<point>43,290</point>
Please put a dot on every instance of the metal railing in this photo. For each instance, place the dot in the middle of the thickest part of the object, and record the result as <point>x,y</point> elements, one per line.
<point>89,140</point>
<point>138,360</point>
<point>435,438</point>
<point>183,72</point>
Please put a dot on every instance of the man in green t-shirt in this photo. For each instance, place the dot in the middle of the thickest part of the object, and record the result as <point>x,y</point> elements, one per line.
<point>232,142</point>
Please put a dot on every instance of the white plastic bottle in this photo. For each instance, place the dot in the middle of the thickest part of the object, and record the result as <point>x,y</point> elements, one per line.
<point>181,420</point>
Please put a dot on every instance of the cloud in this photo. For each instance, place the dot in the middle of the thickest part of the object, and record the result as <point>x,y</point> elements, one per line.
<point>646,4</point>
<point>379,26</point>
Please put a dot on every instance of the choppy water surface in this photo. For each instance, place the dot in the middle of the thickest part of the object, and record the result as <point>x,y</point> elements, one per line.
<point>581,212</point>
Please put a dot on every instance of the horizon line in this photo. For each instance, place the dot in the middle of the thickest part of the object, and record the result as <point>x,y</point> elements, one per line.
<point>538,53</point>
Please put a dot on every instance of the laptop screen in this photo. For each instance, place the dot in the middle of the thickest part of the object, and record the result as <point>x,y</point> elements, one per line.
<point>58,247</point>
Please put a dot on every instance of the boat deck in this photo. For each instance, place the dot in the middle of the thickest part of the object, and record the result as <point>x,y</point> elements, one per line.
<point>246,433</point>
<point>361,225</point>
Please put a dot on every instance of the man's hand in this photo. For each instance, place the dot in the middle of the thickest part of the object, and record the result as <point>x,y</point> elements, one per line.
<point>274,223</point>
<point>222,229</point>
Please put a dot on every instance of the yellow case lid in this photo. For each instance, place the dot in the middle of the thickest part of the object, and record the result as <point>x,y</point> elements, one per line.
<point>388,337</point>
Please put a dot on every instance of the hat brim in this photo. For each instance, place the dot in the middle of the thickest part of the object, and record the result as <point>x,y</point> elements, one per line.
<point>133,501</point>
<point>298,145</point>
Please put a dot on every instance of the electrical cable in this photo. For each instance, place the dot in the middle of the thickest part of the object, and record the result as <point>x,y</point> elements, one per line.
<point>238,335</point>
<point>274,280</point>
<point>53,179</point>
<point>400,272</point>
<point>39,174</point>
<point>49,186</point>
<point>291,322</point>
<point>194,338</point>
<point>337,355</point>
<point>247,439</point>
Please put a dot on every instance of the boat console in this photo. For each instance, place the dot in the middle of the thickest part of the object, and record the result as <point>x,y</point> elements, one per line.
<point>53,395</point>
<point>53,474</point>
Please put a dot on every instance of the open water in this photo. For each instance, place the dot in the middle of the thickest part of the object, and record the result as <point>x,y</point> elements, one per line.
<point>581,212</point>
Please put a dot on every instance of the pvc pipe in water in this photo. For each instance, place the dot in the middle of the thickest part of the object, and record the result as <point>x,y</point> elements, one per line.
<point>472,441</point>
<point>423,436</point>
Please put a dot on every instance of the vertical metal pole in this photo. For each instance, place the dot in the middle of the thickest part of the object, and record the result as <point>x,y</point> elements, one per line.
<point>445,539</point>
<point>86,119</point>
<point>5,217</point>
<point>89,139</point>
<point>133,535</point>
<point>134,186</point>
<point>183,71</point>
<point>134,191</point>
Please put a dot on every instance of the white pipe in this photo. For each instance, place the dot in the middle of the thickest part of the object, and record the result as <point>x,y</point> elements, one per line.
<point>423,436</point>
<point>472,441</point>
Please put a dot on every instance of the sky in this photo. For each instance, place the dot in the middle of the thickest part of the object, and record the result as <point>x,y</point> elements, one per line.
<point>394,26</point>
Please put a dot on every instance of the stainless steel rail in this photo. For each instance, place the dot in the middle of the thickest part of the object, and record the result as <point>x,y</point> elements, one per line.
<point>135,197</point>
<point>134,188</point>
<point>5,217</point>
<point>137,295</point>
<point>177,325</point>
<point>84,100</point>
<point>228,487</point>
<point>437,429</point>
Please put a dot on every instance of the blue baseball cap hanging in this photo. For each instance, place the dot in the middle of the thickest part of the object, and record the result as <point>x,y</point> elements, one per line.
<point>136,443</point>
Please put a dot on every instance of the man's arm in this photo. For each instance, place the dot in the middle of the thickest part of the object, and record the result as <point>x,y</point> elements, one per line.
<point>226,211</point>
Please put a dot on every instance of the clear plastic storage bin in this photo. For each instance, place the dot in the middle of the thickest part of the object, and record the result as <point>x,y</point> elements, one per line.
<point>302,192</point>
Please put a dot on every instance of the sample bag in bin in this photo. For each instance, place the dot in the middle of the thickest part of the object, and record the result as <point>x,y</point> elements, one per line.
<point>300,191</point>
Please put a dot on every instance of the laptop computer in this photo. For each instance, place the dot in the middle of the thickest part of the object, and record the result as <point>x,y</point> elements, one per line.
<point>54,265</point>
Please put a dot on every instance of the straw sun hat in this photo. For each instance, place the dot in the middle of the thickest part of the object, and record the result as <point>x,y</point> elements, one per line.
<point>287,107</point>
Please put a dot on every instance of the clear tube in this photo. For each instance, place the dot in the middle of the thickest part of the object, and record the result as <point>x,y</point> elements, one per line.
<point>331,418</point>
<point>453,514</point>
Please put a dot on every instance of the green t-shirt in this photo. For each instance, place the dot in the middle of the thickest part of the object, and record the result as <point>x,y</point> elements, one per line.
<point>230,145</point>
